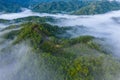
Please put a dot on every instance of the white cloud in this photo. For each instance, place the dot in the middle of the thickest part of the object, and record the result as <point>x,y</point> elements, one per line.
<point>103,26</point>
<point>97,25</point>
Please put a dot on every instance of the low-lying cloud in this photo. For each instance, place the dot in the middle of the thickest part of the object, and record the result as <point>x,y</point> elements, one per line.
<point>103,26</point>
<point>2,26</point>
<point>17,62</point>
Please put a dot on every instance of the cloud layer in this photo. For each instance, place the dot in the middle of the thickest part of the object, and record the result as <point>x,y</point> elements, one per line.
<point>17,66</point>
<point>105,26</point>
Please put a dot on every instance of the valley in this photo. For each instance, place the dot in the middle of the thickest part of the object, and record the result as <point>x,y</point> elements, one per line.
<point>51,43</point>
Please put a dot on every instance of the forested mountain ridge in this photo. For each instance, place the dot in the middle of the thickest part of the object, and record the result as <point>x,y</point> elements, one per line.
<point>61,6</point>
<point>78,7</point>
<point>9,7</point>
<point>98,8</point>
<point>78,58</point>
<point>38,44</point>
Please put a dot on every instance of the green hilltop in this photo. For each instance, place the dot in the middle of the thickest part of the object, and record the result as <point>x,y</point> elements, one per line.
<point>67,58</point>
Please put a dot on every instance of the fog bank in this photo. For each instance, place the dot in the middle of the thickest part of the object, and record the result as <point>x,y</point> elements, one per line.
<point>19,62</point>
<point>105,26</point>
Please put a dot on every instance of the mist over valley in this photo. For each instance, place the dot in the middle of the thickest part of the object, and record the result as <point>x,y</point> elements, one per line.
<point>60,43</point>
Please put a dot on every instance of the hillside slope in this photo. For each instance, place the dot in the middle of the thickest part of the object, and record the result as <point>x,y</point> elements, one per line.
<point>98,8</point>
<point>77,7</point>
<point>9,7</point>
<point>77,58</point>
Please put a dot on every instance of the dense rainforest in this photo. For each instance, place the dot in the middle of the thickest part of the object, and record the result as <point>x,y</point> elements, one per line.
<point>9,7</point>
<point>48,46</point>
<point>77,7</point>
<point>67,58</point>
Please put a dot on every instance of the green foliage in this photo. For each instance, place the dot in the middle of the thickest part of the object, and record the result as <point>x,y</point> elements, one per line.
<point>11,35</point>
<point>11,27</point>
<point>60,6</point>
<point>64,63</point>
<point>38,33</point>
<point>83,67</point>
<point>81,39</point>
<point>98,8</point>
<point>67,59</point>
<point>4,21</point>
<point>48,46</point>
<point>94,45</point>
<point>32,19</point>
<point>9,7</point>
<point>35,19</point>
<point>28,32</point>
<point>77,7</point>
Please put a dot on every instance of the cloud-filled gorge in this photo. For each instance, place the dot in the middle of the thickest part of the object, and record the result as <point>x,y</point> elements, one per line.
<point>19,62</point>
<point>102,26</point>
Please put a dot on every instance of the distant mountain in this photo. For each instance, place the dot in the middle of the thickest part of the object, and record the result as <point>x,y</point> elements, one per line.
<point>15,5</point>
<point>60,6</point>
<point>77,7</point>
<point>98,8</point>
<point>9,6</point>
<point>24,3</point>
